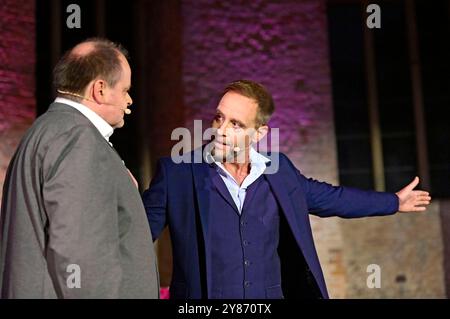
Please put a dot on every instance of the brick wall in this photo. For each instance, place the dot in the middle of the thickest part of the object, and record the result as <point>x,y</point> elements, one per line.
<point>17,84</point>
<point>407,247</point>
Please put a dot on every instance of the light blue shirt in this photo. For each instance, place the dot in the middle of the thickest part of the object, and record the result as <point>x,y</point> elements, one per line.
<point>238,192</point>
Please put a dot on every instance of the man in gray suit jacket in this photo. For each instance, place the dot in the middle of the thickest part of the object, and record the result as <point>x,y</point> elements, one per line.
<point>72,222</point>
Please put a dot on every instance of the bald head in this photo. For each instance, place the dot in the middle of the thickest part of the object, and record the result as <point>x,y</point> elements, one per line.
<point>89,60</point>
<point>84,48</point>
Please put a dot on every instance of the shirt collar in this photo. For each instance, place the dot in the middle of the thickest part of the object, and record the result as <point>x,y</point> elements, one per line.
<point>257,167</point>
<point>102,126</point>
<point>257,160</point>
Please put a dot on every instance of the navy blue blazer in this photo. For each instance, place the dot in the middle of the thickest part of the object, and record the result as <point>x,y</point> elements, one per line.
<point>179,196</point>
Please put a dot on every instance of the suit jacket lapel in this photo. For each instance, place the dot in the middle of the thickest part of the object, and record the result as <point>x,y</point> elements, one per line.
<point>203,185</point>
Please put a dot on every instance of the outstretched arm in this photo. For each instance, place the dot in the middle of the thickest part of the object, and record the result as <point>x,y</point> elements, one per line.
<point>326,200</point>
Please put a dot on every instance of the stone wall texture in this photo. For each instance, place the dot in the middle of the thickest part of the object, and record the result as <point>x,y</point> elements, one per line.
<point>17,82</point>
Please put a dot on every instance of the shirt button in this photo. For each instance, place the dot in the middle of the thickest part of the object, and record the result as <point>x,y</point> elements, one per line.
<point>247,263</point>
<point>246,243</point>
<point>247,284</point>
<point>243,223</point>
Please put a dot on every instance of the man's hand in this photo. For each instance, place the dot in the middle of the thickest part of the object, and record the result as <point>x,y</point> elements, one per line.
<point>133,179</point>
<point>411,200</point>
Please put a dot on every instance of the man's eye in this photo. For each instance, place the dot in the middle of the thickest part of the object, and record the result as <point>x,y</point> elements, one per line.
<point>218,118</point>
<point>236,124</point>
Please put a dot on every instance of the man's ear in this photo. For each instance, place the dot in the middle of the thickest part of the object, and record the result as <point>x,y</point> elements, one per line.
<point>260,133</point>
<point>98,91</point>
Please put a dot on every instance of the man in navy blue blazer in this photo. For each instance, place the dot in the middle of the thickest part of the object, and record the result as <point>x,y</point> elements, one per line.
<point>240,230</point>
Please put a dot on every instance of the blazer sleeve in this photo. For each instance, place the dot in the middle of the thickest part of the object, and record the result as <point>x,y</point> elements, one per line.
<point>326,200</point>
<point>155,200</point>
<point>80,200</point>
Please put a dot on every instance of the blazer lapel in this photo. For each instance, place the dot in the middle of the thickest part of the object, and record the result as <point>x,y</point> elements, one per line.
<point>203,185</point>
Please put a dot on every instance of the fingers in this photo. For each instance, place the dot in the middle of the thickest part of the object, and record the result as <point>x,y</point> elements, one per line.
<point>413,209</point>
<point>421,198</point>
<point>413,184</point>
<point>415,206</point>
<point>421,195</point>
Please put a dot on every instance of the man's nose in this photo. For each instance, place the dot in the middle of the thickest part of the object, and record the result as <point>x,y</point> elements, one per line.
<point>130,100</point>
<point>222,129</point>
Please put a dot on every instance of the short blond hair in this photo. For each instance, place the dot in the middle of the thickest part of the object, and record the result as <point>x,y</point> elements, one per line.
<point>257,92</point>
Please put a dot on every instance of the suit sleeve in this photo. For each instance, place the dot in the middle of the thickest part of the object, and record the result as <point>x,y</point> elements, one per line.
<point>326,200</point>
<point>80,201</point>
<point>155,200</point>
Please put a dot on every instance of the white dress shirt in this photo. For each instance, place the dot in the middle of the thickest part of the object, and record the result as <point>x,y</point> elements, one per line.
<point>102,126</point>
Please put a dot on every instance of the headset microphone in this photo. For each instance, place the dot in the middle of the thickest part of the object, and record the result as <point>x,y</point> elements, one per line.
<point>126,110</point>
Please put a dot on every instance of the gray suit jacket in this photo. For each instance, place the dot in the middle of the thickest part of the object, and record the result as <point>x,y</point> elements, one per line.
<point>70,208</point>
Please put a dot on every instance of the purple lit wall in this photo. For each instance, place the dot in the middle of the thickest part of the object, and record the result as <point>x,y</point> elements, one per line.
<point>284,46</point>
<point>17,84</point>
